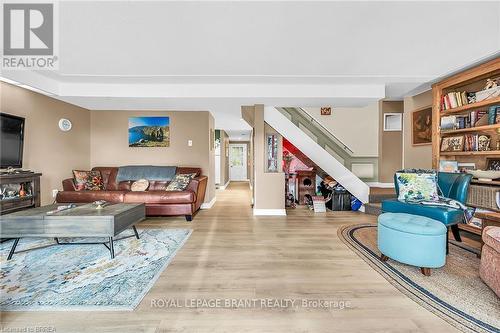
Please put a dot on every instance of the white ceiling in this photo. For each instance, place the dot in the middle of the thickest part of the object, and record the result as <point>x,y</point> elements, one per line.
<point>218,56</point>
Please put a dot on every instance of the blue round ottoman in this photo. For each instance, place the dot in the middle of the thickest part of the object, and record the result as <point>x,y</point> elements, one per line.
<point>413,240</point>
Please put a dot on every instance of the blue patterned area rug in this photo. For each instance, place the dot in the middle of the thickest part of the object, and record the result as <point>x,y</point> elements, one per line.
<point>43,276</point>
<point>454,292</point>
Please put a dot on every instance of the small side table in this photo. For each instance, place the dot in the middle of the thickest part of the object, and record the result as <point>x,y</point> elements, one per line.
<point>491,218</point>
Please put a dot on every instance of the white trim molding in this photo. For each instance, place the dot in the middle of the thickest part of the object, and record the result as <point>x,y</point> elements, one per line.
<point>382,185</point>
<point>223,187</point>
<point>269,212</point>
<point>208,205</point>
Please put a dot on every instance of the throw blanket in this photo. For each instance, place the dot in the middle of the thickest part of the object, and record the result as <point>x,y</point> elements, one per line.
<point>447,202</point>
<point>149,172</point>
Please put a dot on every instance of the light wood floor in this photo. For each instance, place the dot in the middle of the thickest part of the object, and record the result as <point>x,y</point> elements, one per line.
<point>232,254</point>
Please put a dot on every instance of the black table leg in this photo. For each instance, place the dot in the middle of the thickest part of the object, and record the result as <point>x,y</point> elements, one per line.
<point>111,248</point>
<point>13,248</point>
<point>456,232</point>
<point>135,232</point>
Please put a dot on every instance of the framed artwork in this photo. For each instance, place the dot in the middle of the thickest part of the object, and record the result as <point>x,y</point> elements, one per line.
<point>452,143</point>
<point>448,166</point>
<point>422,126</point>
<point>326,111</point>
<point>149,132</point>
<point>493,164</point>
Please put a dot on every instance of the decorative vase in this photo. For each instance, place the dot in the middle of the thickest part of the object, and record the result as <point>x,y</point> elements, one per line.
<point>22,191</point>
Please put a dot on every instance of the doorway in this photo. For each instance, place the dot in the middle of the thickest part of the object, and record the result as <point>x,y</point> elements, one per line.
<point>238,162</point>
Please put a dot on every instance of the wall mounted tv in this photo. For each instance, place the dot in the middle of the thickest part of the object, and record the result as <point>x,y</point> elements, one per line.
<point>12,140</point>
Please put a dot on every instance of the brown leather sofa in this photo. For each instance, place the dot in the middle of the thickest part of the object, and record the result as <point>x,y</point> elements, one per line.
<point>158,201</point>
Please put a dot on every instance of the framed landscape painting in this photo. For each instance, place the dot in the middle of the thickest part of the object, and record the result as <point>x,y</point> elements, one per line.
<point>422,126</point>
<point>149,132</point>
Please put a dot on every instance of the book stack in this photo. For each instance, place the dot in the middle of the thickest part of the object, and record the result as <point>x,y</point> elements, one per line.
<point>474,118</point>
<point>471,142</point>
<point>456,99</point>
<point>475,142</point>
<point>494,114</point>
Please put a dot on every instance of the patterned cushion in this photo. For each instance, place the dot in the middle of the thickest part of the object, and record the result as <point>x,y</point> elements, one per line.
<point>180,182</point>
<point>417,186</point>
<point>88,180</point>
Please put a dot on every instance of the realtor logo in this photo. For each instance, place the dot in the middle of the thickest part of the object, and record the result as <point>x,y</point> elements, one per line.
<point>29,36</point>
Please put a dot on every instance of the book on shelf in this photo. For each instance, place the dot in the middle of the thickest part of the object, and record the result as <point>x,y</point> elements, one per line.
<point>455,99</point>
<point>494,114</point>
<point>473,119</point>
<point>476,142</point>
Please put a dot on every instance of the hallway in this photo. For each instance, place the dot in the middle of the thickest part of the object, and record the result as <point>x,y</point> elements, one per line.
<point>233,255</point>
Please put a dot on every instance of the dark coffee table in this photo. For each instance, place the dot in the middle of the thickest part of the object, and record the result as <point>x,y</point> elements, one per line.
<point>82,221</point>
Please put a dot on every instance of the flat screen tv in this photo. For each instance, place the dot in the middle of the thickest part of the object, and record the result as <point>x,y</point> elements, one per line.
<point>11,139</point>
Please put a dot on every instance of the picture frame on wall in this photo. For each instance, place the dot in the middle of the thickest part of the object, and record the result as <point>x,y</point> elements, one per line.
<point>326,111</point>
<point>149,132</point>
<point>421,131</point>
<point>452,143</point>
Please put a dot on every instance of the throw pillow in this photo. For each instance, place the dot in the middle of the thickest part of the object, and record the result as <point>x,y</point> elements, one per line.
<point>88,180</point>
<point>139,185</point>
<point>417,186</point>
<point>180,182</point>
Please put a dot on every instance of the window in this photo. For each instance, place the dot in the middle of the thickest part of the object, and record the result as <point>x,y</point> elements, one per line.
<point>393,122</point>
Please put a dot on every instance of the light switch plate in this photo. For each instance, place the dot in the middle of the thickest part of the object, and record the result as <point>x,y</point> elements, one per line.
<point>190,143</point>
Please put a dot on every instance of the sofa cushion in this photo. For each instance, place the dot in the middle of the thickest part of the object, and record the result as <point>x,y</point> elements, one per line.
<point>417,186</point>
<point>154,185</point>
<point>90,196</point>
<point>446,215</point>
<point>108,177</point>
<point>180,182</point>
<point>491,237</point>
<point>88,180</point>
<point>139,185</point>
<point>175,197</point>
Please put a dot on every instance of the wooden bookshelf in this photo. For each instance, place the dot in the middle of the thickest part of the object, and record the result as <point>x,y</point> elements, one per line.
<point>471,80</point>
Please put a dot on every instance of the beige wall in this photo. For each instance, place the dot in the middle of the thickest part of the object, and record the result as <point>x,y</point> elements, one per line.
<point>355,127</point>
<point>109,142</point>
<point>390,144</point>
<point>224,160</point>
<point>415,156</point>
<point>268,187</point>
<point>47,149</point>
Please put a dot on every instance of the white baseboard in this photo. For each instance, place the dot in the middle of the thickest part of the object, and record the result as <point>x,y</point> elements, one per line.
<point>383,185</point>
<point>269,212</point>
<point>208,205</point>
<point>223,187</point>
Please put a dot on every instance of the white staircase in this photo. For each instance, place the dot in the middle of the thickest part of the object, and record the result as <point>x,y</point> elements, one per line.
<point>316,153</point>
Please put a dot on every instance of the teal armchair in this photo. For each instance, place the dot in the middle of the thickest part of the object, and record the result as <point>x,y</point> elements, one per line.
<point>452,185</point>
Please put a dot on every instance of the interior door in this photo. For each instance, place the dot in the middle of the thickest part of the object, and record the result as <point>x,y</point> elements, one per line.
<point>238,162</point>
